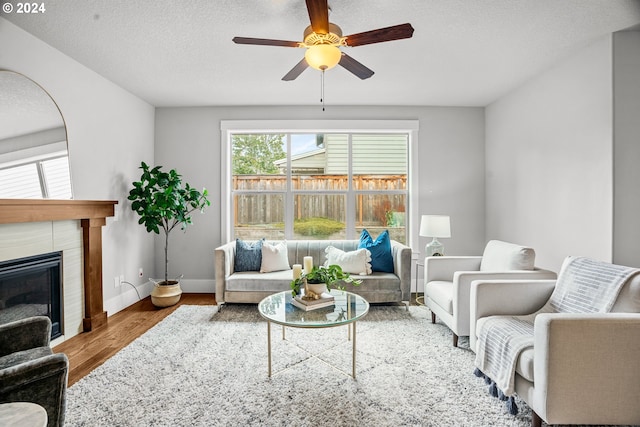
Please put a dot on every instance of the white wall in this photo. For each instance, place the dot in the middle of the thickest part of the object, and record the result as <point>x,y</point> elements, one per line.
<point>626,148</point>
<point>549,160</point>
<point>109,132</point>
<point>451,173</point>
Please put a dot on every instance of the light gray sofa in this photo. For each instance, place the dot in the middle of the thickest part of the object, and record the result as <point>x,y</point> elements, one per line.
<point>253,286</point>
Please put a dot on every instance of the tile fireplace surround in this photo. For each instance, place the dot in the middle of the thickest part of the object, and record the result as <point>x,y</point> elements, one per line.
<point>31,227</point>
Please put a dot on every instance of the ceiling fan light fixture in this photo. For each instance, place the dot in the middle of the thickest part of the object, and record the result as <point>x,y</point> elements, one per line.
<point>323,56</point>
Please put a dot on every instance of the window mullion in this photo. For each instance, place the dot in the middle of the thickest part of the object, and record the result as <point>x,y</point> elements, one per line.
<point>288,197</point>
<point>351,198</point>
<point>43,181</point>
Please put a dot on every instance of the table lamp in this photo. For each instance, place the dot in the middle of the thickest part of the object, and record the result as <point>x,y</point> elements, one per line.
<point>435,226</point>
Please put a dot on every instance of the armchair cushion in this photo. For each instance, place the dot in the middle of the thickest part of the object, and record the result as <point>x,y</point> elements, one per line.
<point>629,298</point>
<point>504,256</point>
<point>440,293</point>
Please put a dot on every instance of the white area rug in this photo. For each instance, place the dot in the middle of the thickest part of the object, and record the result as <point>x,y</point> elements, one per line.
<point>202,368</point>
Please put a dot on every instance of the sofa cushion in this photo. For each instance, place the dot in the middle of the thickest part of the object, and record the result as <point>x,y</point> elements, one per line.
<point>353,262</point>
<point>375,282</point>
<point>441,292</point>
<point>380,248</point>
<point>274,257</point>
<point>275,281</point>
<point>248,256</point>
<point>503,256</point>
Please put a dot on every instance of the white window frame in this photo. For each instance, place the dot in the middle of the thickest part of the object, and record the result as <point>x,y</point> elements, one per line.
<point>229,127</point>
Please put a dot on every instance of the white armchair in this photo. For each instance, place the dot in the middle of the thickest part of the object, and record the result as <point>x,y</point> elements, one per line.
<point>447,280</point>
<point>582,368</point>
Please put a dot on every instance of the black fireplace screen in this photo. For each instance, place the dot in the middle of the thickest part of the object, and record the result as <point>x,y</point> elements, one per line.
<point>32,286</point>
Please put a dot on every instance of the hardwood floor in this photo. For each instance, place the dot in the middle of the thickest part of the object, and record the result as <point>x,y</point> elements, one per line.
<point>89,350</point>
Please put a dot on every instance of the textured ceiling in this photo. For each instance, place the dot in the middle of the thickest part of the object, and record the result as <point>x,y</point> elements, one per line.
<point>463,52</point>
<point>25,107</point>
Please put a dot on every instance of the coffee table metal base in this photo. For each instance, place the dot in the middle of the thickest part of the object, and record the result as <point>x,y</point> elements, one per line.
<point>349,332</point>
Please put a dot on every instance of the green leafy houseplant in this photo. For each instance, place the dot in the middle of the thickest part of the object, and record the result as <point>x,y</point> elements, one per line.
<point>163,202</point>
<point>332,276</point>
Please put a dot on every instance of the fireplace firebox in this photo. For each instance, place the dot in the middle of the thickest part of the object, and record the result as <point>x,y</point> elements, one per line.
<point>32,286</point>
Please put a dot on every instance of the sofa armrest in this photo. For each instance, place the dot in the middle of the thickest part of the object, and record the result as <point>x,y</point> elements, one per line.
<point>25,334</point>
<point>443,267</point>
<point>505,297</point>
<point>402,267</point>
<point>586,368</point>
<point>224,258</point>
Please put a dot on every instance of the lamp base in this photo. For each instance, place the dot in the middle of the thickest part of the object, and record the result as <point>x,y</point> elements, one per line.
<point>434,248</point>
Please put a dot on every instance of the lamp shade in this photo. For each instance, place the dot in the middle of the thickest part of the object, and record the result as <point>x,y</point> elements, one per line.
<point>435,226</point>
<point>323,56</point>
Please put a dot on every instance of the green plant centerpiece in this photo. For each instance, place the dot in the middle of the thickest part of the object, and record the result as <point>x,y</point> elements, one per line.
<point>332,276</point>
<point>163,202</point>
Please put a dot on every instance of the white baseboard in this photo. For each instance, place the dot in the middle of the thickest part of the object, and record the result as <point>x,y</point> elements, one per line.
<point>129,295</point>
<point>198,286</point>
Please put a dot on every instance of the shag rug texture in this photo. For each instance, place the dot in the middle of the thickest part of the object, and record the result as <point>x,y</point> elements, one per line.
<point>201,367</point>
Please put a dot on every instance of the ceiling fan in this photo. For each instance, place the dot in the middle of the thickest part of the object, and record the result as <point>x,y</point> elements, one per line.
<point>323,40</point>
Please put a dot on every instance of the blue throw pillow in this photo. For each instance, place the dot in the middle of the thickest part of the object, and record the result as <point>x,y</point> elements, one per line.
<point>248,256</point>
<point>381,258</point>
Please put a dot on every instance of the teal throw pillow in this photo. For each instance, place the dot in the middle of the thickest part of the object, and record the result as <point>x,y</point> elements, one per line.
<point>248,256</point>
<point>381,257</point>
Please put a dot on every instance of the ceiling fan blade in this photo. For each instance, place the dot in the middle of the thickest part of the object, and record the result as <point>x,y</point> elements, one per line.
<point>265,42</point>
<point>296,71</point>
<point>318,15</point>
<point>396,32</point>
<point>355,67</point>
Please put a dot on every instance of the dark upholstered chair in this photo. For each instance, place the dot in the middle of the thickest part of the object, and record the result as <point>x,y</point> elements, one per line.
<point>29,371</point>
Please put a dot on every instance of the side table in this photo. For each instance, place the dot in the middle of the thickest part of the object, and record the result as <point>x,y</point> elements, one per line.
<point>22,414</point>
<point>419,300</point>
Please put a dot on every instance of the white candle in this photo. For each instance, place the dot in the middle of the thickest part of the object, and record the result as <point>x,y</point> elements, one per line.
<point>297,271</point>
<point>308,264</point>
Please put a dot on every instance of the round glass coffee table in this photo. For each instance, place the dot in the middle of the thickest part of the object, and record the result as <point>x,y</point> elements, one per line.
<point>347,310</point>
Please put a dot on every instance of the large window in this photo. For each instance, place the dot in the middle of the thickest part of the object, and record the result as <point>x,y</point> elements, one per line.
<point>318,185</point>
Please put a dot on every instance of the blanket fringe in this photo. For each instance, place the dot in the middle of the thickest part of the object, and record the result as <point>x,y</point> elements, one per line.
<point>512,406</point>
<point>493,389</point>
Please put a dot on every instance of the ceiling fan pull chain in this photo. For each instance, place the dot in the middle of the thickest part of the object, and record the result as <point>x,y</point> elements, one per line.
<point>322,89</point>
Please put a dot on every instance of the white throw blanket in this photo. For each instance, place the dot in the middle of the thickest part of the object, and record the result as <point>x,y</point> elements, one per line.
<point>584,286</point>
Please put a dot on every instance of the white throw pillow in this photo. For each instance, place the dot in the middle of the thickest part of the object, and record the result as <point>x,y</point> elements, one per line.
<point>274,257</point>
<point>354,262</point>
<point>504,256</point>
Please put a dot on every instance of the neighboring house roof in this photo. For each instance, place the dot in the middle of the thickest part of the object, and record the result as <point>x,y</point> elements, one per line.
<point>310,161</point>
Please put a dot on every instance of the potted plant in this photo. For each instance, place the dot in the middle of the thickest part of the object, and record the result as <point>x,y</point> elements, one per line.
<point>331,276</point>
<point>163,202</point>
